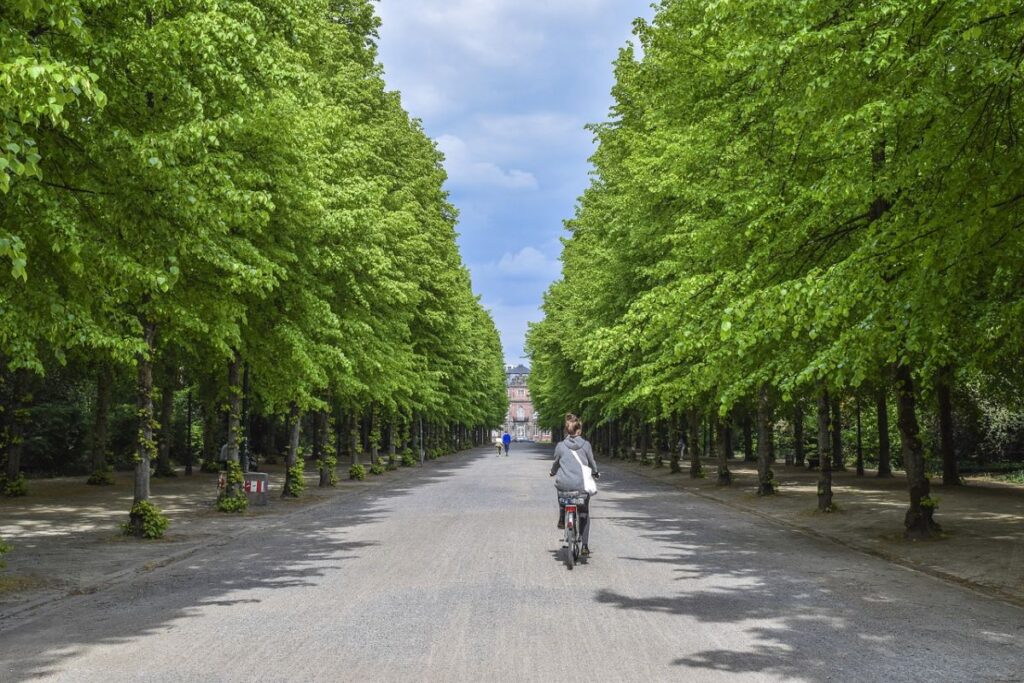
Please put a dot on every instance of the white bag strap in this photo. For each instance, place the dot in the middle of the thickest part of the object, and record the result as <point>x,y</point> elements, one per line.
<point>575,455</point>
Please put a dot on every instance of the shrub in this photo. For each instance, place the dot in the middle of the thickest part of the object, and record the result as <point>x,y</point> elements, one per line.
<point>14,488</point>
<point>357,472</point>
<point>209,466</point>
<point>146,521</point>
<point>233,498</point>
<point>331,464</point>
<point>408,459</point>
<point>295,483</point>
<point>4,548</point>
<point>378,467</point>
<point>102,477</point>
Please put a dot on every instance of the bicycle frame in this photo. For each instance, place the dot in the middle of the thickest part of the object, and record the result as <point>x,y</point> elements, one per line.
<point>572,541</point>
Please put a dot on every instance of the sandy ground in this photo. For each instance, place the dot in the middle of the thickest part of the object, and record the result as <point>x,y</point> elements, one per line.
<point>454,572</point>
<point>67,540</point>
<point>982,544</point>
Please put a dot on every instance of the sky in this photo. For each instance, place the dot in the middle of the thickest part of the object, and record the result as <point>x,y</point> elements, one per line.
<point>505,88</point>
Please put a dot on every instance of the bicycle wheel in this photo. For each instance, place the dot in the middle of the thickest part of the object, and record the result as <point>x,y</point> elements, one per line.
<point>570,557</point>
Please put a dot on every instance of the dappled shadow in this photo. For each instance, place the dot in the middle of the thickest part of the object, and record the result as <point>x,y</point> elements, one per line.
<point>790,600</point>
<point>293,550</point>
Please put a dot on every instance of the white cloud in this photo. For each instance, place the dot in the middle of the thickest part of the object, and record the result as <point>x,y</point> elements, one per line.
<point>463,169</point>
<point>512,322</point>
<point>494,33</point>
<point>529,262</point>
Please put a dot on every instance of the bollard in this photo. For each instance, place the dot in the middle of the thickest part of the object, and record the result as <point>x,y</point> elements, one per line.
<point>257,486</point>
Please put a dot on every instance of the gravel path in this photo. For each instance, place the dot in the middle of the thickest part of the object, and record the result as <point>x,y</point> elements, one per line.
<point>454,574</point>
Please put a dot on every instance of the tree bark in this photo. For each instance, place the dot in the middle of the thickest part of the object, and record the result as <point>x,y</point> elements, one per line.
<point>860,440</point>
<point>188,435</point>
<point>838,457</point>
<point>21,397</point>
<point>391,441</point>
<point>799,456</point>
<point>166,434</point>
<point>693,445</point>
<point>352,425</point>
<point>824,456</point>
<point>145,446</point>
<point>293,450</point>
<point>918,520</point>
<point>748,438</point>
<point>724,475</point>
<point>884,450</point>
<point>943,390</point>
<point>104,380</point>
<point>644,436</point>
<point>234,418</point>
<point>677,442</point>
<point>324,429</point>
<point>765,452</point>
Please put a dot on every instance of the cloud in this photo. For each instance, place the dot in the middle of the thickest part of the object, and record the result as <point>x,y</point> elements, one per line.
<point>495,33</point>
<point>512,322</point>
<point>463,169</point>
<point>529,262</point>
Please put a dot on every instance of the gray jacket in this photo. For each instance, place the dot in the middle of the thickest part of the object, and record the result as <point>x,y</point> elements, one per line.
<point>570,476</point>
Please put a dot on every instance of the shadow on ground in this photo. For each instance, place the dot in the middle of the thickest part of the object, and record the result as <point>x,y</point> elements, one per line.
<point>796,597</point>
<point>295,552</point>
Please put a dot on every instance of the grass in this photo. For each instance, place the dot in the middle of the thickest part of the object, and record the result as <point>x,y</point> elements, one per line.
<point>1011,477</point>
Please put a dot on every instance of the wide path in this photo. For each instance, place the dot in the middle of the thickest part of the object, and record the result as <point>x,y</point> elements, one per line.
<point>453,574</point>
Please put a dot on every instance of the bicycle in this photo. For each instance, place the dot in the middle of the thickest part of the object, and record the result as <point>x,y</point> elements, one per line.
<point>573,542</point>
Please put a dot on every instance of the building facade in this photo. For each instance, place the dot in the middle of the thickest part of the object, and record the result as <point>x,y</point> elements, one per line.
<point>521,420</point>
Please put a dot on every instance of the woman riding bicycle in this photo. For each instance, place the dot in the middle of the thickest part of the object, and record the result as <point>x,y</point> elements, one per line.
<point>570,456</point>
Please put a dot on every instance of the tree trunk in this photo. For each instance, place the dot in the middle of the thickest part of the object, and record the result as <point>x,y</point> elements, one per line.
<point>693,446</point>
<point>943,390</point>
<point>860,441</point>
<point>724,475</point>
<point>188,435</point>
<point>293,450</point>
<point>884,451</point>
<point>838,459</point>
<point>748,439</point>
<point>21,397</point>
<point>824,456</point>
<point>677,441</point>
<point>644,436</point>
<point>234,418</point>
<point>352,425</point>
<point>246,421</point>
<point>166,434</point>
<point>104,380</point>
<point>392,459</point>
<point>765,452</point>
<point>374,434</point>
<point>145,446</point>
<point>799,457</point>
<point>918,520</point>
<point>209,430</point>
<point>323,435</point>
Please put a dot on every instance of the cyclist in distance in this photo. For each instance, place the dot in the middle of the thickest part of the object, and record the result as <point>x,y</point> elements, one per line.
<point>570,456</point>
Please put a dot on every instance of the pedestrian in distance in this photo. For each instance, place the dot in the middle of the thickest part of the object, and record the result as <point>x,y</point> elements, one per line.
<point>506,439</point>
<point>499,445</point>
<point>571,455</point>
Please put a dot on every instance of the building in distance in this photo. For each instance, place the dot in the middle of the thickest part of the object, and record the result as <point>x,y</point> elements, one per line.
<point>522,421</point>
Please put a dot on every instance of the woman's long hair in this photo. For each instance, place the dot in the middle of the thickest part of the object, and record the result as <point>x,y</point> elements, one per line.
<point>573,425</point>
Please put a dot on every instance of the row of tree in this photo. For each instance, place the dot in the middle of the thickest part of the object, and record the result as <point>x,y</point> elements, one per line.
<point>797,203</point>
<point>223,197</point>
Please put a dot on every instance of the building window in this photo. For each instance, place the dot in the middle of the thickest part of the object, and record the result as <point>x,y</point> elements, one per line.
<point>519,413</point>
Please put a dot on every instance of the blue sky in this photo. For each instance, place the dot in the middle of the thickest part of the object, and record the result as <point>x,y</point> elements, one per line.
<point>505,87</point>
